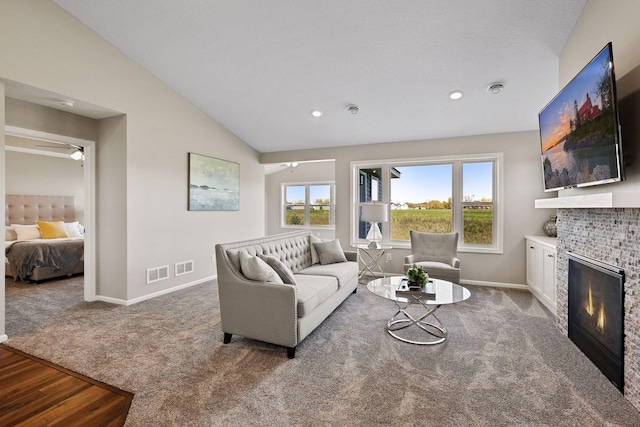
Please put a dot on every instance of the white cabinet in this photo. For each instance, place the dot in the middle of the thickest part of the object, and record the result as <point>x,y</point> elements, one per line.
<point>541,269</point>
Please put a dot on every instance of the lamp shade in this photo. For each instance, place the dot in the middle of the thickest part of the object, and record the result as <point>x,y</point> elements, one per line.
<point>374,212</point>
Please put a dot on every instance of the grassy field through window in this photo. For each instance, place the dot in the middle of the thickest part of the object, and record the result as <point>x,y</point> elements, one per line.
<point>316,217</point>
<point>478,223</point>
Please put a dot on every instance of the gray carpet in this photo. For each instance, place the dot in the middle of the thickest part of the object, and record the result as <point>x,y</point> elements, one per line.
<point>504,363</point>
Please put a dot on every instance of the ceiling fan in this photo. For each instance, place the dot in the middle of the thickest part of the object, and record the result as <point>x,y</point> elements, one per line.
<point>78,153</point>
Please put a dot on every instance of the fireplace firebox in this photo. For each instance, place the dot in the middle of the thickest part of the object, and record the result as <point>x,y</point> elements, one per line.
<point>596,314</point>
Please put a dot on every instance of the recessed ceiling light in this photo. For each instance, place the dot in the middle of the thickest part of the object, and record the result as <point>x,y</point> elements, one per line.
<point>316,113</point>
<point>67,103</point>
<point>456,94</point>
<point>353,109</point>
<point>495,88</point>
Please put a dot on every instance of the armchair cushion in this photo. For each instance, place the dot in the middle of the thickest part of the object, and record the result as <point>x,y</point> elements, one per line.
<point>434,247</point>
<point>436,253</point>
<point>256,269</point>
<point>438,270</point>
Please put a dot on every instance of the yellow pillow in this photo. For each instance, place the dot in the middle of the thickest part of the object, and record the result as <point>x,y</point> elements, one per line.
<point>52,230</point>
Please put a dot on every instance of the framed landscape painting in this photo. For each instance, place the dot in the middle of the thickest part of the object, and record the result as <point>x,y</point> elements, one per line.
<point>214,184</point>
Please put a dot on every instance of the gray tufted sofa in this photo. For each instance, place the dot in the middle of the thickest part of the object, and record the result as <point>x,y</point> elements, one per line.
<point>281,314</point>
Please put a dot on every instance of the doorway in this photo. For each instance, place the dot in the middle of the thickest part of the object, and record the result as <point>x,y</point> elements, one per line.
<point>88,147</point>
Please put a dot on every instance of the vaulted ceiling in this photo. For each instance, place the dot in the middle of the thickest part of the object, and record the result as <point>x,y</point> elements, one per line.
<point>261,67</point>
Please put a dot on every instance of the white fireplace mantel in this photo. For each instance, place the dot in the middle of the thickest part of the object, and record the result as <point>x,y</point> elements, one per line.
<point>594,200</point>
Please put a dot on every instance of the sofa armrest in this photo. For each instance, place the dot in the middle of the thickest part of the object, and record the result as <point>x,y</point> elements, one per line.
<point>409,259</point>
<point>351,255</point>
<point>455,262</point>
<point>258,310</point>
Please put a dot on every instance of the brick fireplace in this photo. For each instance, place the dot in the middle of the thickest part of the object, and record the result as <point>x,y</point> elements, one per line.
<point>611,236</point>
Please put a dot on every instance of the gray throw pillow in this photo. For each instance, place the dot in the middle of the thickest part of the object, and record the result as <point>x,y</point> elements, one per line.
<point>283,271</point>
<point>254,268</point>
<point>314,254</point>
<point>330,252</point>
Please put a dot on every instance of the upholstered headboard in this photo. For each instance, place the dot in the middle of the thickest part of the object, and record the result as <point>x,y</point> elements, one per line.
<point>27,209</point>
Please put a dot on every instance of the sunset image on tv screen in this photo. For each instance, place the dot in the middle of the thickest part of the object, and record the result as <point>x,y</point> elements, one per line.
<point>578,129</point>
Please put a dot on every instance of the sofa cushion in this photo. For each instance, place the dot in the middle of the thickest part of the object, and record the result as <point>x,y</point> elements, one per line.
<point>283,271</point>
<point>345,272</point>
<point>254,268</point>
<point>311,291</point>
<point>330,252</point>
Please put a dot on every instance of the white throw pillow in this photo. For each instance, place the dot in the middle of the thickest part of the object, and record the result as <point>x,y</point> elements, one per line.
<point>27,232</point>
<point>10,234</point>
<point>73,229</point>
<point>254,268</point>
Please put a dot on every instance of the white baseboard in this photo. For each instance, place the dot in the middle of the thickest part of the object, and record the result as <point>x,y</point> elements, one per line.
<point>155,294</point>
<point>495,284</point>
<point>4,337</point>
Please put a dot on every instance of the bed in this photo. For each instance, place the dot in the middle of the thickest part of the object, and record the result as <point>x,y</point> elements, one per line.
<point>29,257</point>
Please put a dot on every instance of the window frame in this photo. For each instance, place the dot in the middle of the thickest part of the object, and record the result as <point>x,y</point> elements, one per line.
<point>307,205</point>
<point>457,204</point>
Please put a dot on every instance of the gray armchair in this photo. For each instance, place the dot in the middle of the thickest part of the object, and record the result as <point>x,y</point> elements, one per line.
<point>436,253</point>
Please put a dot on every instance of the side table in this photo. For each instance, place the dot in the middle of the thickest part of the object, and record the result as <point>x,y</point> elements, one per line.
<point>370,257</point>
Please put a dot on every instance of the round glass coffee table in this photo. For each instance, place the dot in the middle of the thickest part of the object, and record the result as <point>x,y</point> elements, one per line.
<point>437,293</point>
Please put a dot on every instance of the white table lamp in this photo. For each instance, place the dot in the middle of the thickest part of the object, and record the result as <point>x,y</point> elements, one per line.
<point>374,213</point>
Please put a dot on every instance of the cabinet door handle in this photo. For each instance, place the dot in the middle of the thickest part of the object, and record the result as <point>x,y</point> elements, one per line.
<point>550,255</point>
<point>531,247</point>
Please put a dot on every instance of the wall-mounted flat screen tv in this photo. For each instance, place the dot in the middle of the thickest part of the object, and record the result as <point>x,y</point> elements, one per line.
<point>579,129</point>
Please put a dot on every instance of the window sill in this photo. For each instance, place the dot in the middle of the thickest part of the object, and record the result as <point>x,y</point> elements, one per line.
<point>309,227</point>
<point>461,249</point>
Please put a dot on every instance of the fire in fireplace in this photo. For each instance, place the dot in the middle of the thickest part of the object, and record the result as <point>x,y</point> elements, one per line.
<point>596,314</point>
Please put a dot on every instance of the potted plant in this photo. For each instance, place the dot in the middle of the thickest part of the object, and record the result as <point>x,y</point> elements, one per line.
<point>417,277</point>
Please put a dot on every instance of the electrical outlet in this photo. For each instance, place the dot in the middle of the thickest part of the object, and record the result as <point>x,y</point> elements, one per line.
<point>388,256</point>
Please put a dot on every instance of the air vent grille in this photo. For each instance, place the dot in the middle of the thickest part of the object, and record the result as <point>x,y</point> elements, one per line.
<point>157,273</point>
<point>185,267</point>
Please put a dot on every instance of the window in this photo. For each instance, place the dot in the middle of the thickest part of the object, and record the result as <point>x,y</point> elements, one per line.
<point>477,203</point>
<point>308,205</point>
<point>459,194</point>
<point>421,200</point>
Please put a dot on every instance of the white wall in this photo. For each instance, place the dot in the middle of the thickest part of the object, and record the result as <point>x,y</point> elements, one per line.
<point>142,180</point>
<point>34,174</point>
<point>617,22</point>
<point>522,185</point>
<point>303,173</point>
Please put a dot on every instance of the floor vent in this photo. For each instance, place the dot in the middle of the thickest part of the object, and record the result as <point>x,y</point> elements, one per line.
<point>158,273</point>
<point>184,268</point>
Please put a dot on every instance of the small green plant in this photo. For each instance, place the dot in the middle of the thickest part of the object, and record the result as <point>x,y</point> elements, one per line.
<point>416,276</point>
<point>295,220</point>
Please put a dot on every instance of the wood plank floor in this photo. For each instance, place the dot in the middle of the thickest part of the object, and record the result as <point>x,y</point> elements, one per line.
<point>34,392</point>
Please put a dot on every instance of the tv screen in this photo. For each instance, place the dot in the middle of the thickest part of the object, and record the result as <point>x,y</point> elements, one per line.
<point>579,130</point>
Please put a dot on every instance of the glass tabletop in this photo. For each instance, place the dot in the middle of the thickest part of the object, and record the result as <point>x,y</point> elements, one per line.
<point>445,292</point>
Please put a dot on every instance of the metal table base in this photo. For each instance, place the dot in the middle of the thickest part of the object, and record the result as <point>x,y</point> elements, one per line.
<point>397,323</point>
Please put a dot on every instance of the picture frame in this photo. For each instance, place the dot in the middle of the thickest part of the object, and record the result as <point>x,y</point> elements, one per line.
<point>214,184</point>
